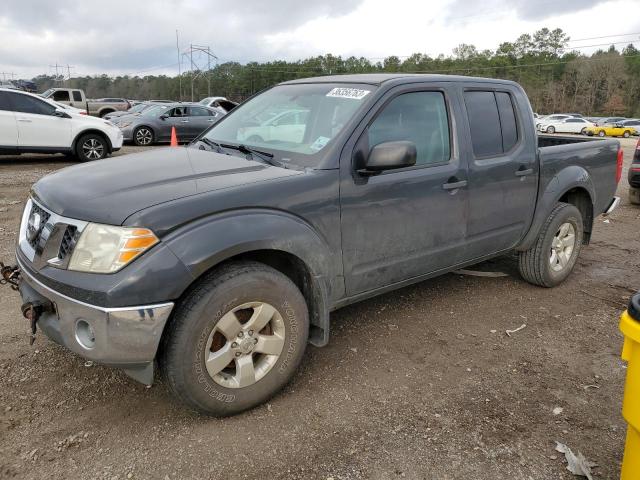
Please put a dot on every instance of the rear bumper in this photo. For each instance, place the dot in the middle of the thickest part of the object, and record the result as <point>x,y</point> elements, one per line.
<point>126,337</point>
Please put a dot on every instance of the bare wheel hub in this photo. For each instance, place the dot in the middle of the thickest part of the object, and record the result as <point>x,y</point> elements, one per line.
<point>245,344</point>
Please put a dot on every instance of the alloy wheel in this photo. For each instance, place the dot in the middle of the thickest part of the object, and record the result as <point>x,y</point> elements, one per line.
<point>562,247</point>
<point>143,136</point>
<point>244,345</point>
<point>93,149</point>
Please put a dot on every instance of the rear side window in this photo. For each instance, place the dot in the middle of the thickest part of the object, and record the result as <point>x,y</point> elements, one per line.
<point>419,117</point>
<point>77,96</point>
<point>199,112</point>
<point>29,104</point>
<point>492,121</point>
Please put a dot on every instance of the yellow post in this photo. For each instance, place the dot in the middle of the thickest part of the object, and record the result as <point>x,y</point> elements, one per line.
<point>630,327</point>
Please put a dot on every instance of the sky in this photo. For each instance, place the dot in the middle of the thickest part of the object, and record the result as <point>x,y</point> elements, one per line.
<point>139,37</point>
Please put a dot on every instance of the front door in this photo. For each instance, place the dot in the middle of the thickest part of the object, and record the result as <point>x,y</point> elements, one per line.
<point>200,118</point>
<point>503,170</point>
<point>8,126</point>
<point>37,124</point>
<point>177,118</point>
<point>405,223</point>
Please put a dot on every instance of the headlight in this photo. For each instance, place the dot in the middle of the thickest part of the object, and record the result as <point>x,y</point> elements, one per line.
<point>106,249</point>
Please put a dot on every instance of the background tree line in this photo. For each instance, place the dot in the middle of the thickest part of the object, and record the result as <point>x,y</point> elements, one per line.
<point>555,77</point>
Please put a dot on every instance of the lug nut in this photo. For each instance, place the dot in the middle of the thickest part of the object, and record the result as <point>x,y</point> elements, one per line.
<point>237,354</point>
<point>250,333</point>
<point>255,340</point>
<point>240,335</point>
<point>234,345</point>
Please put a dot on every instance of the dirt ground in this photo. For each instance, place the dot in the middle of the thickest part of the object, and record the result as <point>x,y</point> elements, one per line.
<point>421,383</point>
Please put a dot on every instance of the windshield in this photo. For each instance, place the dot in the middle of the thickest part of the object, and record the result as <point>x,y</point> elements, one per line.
<point>139,108</point>
<point>293,121</point>
<point>205,101</point>
<point>47,93</point>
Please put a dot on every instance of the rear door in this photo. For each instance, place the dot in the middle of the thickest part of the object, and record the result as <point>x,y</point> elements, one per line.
<point>200,118</point>
<point>404,223</point>
<point>574,125</point>
<point>503,169</point>
<point>37,124</point>
<point>8,125</point>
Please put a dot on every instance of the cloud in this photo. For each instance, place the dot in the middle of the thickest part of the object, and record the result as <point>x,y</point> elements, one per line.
<point>471,11</point>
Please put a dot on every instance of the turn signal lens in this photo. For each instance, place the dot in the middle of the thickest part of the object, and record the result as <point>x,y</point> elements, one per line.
<point>107,249</point>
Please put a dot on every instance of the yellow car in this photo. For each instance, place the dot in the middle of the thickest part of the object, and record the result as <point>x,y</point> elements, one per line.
<point>611,131</point>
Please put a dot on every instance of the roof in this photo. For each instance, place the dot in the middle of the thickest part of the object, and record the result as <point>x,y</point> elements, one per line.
<point>380,78</point>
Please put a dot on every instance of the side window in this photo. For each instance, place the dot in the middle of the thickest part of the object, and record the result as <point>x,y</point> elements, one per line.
<point>77,96</point>
<point>178,112</point>
<point>484,123</point>
<point>61,96</point>
<point>29,104</point>
<point>419,117</point>
<point>492,121</point>
<point>198,112</point>
<point>507,121</point>
<point>4,101</point>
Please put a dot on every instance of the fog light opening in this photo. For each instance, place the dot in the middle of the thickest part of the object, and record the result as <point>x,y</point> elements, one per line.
<point>85,334</point>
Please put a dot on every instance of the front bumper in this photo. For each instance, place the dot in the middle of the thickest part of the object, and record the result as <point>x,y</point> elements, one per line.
<point>126,337</point>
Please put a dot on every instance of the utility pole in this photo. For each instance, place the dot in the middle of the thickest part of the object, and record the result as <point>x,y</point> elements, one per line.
<point>179,73</point>
<point>11,76</point>
<point>195,69</point>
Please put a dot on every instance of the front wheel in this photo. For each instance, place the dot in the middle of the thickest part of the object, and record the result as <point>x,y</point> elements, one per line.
<point>601,133</point>
<point>552,257</point>
<point>236,339</point>
<point>551,130</point>
<point>91,147</point>
<point>626,134</point>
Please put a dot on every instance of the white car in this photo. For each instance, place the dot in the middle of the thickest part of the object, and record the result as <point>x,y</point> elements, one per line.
<point>287,126</point>
<point>30,124</point>
<point>567,125</point>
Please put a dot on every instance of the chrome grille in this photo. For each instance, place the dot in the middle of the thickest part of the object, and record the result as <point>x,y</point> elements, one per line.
<point>44,218</point>
<point>69,240</point>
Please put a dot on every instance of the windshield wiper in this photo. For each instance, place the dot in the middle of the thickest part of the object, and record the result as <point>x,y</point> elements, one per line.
<point>212,144</point>
<point>266,157</point>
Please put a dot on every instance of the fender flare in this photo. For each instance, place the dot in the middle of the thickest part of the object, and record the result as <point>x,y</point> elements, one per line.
<point>209,241</point>
<point>567,179</point>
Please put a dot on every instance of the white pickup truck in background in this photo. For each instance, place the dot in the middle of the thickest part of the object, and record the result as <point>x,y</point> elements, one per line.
<point>76,98</point>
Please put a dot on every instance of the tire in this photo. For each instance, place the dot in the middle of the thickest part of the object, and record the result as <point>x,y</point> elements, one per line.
<point>551,130</point>
<point>634,196</point>
<point>143,136</point>
<point>583,131</point>
<point>601,133</point>
<point>92,147</point>
<point>537,265</point>
<point>237,291</point>
<point>626,134</point>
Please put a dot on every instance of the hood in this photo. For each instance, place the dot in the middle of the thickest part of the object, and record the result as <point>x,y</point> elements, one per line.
<point>109,191</point>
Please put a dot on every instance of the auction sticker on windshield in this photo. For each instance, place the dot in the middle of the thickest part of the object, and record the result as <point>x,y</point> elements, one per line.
<point>355,93</point>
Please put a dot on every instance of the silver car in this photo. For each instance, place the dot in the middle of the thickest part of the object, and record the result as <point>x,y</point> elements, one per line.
<point>154,124</point>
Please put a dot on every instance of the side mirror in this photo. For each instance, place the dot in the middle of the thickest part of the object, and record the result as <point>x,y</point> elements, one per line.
<point>164,116</point>
<point>389,156</point>
<point>61,114</point>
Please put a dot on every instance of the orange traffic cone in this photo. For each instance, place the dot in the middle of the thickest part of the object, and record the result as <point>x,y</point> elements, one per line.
<point>174,137</point>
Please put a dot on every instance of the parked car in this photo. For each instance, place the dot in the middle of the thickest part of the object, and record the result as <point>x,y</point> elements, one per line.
<point>30,124</point>
<point>617,130</point>
<point>550,118</point>
<point>222,260</point>
<point>26,85</point>
<point>219,102</point>
<point>609,121</point>
<point>154,125</point>
<point>567,125</point>
<point>134,110</point>
<point>76,98</point>
<point>633,177</point>
<point>68,108</point>
<point>289,125</point>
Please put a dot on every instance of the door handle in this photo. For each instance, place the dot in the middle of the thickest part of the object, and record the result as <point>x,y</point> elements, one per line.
<point>522,172</point>
<point>24,120</point>
<point>211,120</point>
<point>454,185</point>
<point>184,121</point>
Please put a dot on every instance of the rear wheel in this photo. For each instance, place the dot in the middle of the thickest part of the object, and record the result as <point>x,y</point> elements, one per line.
<point>236,339</point>
<point>601,133</point>
<point>551,130</point>
<point>91,147</point>
<point>143,136</point>
<point>626,134</point>
<point>552,257</point>
<point>583,131</point>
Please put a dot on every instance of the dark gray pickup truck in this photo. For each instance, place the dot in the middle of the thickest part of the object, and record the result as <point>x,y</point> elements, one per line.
<point>219,262</point>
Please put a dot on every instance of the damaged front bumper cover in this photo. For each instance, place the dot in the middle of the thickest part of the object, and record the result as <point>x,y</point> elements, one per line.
<point>126,337</point>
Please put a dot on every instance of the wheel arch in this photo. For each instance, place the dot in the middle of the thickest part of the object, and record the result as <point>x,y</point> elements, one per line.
<point>95,131</point>
<point>295,250</point>
<point>571,185</point>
